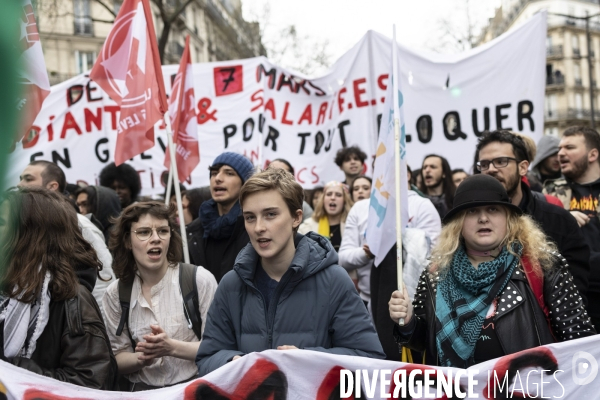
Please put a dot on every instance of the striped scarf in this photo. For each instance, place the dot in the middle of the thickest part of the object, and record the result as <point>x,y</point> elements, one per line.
<point>24,322</point>
<point>463,298</point>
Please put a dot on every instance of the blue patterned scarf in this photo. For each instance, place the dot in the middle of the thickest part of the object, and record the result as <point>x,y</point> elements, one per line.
<point>463,298</point>
<point>218,226</point>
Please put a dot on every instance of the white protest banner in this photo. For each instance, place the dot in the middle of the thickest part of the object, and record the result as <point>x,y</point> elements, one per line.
<point>265,112</point>
<point>559,371</point>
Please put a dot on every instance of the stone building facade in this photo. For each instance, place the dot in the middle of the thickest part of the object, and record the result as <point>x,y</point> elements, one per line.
<point>72,32</point>
<point>571,86</point>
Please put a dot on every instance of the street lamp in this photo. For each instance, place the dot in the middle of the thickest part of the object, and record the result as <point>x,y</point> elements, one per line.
<point>589,56</point>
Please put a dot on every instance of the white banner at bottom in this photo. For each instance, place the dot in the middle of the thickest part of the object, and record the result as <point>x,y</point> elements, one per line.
<point>558,371</point>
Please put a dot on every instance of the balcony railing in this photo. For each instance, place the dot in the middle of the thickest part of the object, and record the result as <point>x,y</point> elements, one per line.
<point>570,114</point>
<point>554,51</point>
<point>555,80</point>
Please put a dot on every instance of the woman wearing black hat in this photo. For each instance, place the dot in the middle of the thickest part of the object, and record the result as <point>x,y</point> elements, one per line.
<point>495,285</point>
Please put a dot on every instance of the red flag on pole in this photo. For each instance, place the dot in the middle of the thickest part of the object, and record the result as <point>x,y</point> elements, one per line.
<point>34,78</point>
<point>128,69</point>
<point>183,112</point>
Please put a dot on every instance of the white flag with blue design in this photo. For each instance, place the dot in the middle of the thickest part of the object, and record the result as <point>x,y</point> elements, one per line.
<point>381,228</point>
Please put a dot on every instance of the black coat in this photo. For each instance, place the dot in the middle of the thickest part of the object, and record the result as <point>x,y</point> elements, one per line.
<point>74,346</point>
<point>562,228</point>
<point>223,252</point>
<point>520,322</point>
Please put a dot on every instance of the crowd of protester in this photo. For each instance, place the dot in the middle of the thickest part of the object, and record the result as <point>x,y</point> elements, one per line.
<point>95,292</point>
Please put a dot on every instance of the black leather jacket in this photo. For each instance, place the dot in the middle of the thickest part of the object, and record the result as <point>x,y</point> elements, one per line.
<point>519,320</point>
<point>74,346</point>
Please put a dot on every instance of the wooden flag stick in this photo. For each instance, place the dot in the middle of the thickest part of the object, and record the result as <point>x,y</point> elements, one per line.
<point>395,99</point>
<point>169,185</point>
<point>186,254</point>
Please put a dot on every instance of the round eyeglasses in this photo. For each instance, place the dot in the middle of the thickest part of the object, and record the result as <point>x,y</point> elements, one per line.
<point>164,232</point>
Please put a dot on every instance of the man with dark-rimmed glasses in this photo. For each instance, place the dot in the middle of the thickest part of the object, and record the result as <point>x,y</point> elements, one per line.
<point>504,156</point>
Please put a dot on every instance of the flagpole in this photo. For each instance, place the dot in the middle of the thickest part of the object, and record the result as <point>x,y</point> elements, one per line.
<point>186,254</point>
<point>169,184</point>
<point>397,168</point>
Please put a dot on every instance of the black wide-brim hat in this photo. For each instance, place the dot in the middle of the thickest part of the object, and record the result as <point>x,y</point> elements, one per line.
<point>479,190</point>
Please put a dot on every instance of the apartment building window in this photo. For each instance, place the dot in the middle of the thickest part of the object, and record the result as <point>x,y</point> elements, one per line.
<point>577,74</point>
<point>83,19</point>
<point>84,60</point>
<point>575,45</point>
<point>117,6</point>
<point>550,111</point>
<point>579,105</point>
<point>551,131</point>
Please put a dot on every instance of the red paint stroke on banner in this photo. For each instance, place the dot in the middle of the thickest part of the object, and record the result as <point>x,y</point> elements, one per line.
<point>263,380</point>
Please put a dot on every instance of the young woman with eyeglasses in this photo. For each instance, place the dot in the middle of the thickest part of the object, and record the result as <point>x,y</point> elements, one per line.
<point>147,250</point>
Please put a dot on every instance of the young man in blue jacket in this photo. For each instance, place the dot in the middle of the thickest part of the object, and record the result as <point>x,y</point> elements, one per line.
<point>286,290</point>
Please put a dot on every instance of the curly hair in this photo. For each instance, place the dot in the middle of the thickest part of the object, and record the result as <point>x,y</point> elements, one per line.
<point>503,136</point>
<point>320,208</point>
<point>124,173</point>
<point>119,244</point>
<point>520,229</point>
<point>344,154</point>
<point>42,234</point>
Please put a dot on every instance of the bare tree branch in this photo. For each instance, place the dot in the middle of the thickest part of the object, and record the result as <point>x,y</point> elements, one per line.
<point>103,21</point>
<point>178,11</point>
<point>110,9</point>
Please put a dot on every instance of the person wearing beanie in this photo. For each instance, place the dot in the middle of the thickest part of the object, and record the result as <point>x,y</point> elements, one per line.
<point>545,166</point>
<point>217,236</point>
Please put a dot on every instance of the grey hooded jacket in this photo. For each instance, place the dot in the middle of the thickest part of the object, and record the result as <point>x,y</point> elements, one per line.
<point>314,307</point>
<point>547,146</point>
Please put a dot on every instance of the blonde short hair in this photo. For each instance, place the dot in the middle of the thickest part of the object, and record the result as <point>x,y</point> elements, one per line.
<point>275,179</point>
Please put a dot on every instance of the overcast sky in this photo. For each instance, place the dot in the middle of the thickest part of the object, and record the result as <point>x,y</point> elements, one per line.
<point>343,22</point>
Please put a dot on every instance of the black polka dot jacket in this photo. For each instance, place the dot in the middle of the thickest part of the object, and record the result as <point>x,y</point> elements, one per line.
<point>519,320</point>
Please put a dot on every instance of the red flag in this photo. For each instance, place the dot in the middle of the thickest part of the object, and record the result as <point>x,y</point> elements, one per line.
<point>183,112</point>
<point>34,78</point>
<point>128,69</point>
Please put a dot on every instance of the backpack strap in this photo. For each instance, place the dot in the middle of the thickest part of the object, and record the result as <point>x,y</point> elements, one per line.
<point>125,300</point>
<point>189,292</point>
